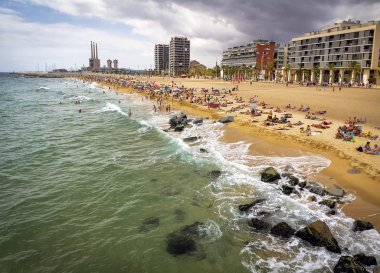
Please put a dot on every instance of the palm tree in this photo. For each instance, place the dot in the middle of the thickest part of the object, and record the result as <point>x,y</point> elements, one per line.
<point>299,71</point>
<point>307,73</point>
<point>377,76</point>
<point>287,69</point>
<point>331,67</point>
<point>316,72</point>
<point>269,70</point>
<point>355,68</point>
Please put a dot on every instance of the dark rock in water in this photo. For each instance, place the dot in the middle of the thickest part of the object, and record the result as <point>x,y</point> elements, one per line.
<point>149,223</point>
<point>246,207</point>
<point>190,139</point>
<point>179,128</point>
<point>337,192</point>
<point>331,212</point>
<point>312,198</point>
<point>178,244</point>
<point>202,150</point>
<point>293,181</point>
<point>362,225</point>
<point>259,224</point>
<point>214,174</point>
<point>227,119</point>
<point>183,241</point>
<point>317,190</point>
<point>263,213</point>
<point>173,121</point>
<point>179,215</point>
<point>319,234</point>
<point>348,264</point>
<point>287,189</point>
<point>302,184</point>
<point>198,121</point>
<point>270,175</point>
<point>327,202</point>
<point>282,229</point>
<point>182,116</point>
<point>366,260</point>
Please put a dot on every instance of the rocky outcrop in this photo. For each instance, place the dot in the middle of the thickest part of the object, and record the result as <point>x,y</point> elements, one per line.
<point>258,224</point>
<point>183,241</point>
<point>337,192</point>
<point>178,122</point>
<point>362,225</point>
<point>366,260</point>
<point>348,264</point>
<point>319,234</point>
<point>283,230</point>
<point>203,150</point>
<point>190,139</point>
<point>329,203</point>
<point>270,175</point>
<point>302,184</point>
<point>292,179</point>
<point>227,119</point>
<point>198,121</point>
<point>287,189</point>
<point>248,206</point>
<point>317,190</point>
<point>214,174</point>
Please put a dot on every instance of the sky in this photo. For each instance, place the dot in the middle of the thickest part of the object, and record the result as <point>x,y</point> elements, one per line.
<point>46,34</point>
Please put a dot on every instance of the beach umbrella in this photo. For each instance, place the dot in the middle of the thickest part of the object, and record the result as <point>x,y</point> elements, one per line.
<point>253,106</point>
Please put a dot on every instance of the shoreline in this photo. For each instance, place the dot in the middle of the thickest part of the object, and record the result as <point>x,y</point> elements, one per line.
<point>364,185</point>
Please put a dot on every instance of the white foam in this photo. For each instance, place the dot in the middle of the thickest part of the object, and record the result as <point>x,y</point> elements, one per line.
<point>110,107</point>
<point>43,88</point>
<point>81,98</point>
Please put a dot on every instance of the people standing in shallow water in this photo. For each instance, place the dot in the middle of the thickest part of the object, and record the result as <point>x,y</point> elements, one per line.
<point>80,110</point>
<point>154,108</point>
<point>129,112</point>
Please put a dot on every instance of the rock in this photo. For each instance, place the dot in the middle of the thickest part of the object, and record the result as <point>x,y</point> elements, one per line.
<point>198,121</point>
<point>317,190</point>
<point>227,119</point>
<point>327,202</point>
<point>183,241</point>
<point>270,175</point>
<point>149,223</point>
<point>348,264</point>
<point>302,184</point>
<point>202,150</point>
<point>362,225</point>
<point>259,224</point>
<point>293,181</point>
<point>173,121</point>
<point>319,234</point>
<point>366,260</point>
<point>179,128</point>
<point>283,230</point>
<point>335,192</point>
<point>247,207</point>
<point>312,198</point>
<point>190,139</point>
<point>331,212</point>
<point>287,189</point>
<point>214,174</point>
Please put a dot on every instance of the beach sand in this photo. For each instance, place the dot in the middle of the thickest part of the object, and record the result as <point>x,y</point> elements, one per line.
<point>339,105</point>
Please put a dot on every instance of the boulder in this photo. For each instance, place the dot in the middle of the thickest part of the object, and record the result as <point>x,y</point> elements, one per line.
<point>317,190</point>
<point>319,234</point>
<point>348,264</point>
<point>190,139</point>
<point>270,175</point>
<point>182,118</point>
<point>203,150</point>
<point>259,224</point>
<point>329,203</point>
<point>214,174</point>
<point>149,223</point>
<point>337,192</point>
<point>287,189</point>
<point>183,241</point>
<point>292,179</point>
<point>173,121</point>
<point>283,230</point>
<point>179,128</point>
<point>312,198</point>
<point>362,225</point>
<point>226,119</point>
<point>366,260</point>
<point>247,207</point>
<point>302,184</point>
<point>198,121</point>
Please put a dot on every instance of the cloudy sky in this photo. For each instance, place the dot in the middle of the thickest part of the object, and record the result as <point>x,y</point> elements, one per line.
<point>39,34</point>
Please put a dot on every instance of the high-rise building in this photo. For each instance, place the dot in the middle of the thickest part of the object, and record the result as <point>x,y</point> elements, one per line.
<point>109,64</point>
<point>161,58</point>
<point>179,56</point>
<point>94,62</point>
<point>115,64</point>
<point>345,52</point>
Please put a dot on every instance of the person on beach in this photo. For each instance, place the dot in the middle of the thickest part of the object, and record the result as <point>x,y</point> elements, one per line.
<point>129,112</point>
<point>367,148</point>
<point>308,130</point>
<point>154,108</point>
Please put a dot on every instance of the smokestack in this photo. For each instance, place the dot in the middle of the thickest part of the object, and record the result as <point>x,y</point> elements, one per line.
<point>92,51</point>
<point>96,50</point>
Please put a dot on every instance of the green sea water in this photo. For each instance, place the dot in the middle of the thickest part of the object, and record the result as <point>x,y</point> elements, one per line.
<point>77,189</point>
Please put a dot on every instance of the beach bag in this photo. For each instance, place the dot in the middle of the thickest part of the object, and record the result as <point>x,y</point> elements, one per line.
<point>359,149</point>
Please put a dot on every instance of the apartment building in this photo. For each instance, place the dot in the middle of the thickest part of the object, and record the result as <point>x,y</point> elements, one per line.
<point>345,52</point>
<point>161,59</point>
<point>179,56</point>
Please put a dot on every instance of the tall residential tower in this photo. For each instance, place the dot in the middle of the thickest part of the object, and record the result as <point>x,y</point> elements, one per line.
<point>161,59</point>
<point>179,56</point>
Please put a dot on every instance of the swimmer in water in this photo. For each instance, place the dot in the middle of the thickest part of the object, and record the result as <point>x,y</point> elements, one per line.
<point>80,110</point>
<point>129,112</point>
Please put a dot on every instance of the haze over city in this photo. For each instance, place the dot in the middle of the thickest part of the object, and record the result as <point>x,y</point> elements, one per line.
<point>42,34</point>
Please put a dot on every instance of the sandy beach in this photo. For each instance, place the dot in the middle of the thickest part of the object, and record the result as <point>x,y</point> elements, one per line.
<point>355,172</point>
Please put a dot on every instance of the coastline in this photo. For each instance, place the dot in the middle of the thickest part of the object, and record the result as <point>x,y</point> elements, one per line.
<point>364,185</point>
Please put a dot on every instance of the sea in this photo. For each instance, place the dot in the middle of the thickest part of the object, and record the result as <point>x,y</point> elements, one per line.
<point>98,190</point>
